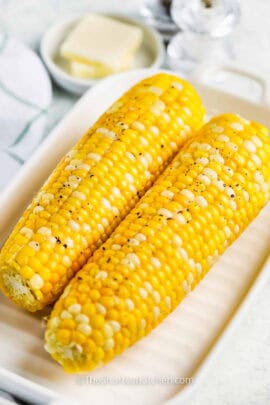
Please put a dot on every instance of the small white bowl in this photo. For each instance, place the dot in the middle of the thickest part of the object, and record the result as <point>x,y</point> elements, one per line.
<point>150,54</point>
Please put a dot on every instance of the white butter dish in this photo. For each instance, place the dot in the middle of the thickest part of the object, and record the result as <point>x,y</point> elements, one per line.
<point>149,55</point>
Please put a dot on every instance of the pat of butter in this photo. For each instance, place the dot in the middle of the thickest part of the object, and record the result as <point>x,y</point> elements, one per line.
<point>105,44</point>
<point>84,71</point>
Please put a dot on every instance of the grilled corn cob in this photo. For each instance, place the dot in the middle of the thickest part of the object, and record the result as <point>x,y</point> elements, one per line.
<point>206,197</point>
<point>94,187</point>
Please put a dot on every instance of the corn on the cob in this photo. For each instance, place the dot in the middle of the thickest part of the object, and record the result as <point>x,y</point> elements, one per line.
<point>94,187</point>
<point>201,203</point>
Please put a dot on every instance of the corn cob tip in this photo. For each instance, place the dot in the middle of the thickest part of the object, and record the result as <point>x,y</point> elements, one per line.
<point>15,286</point>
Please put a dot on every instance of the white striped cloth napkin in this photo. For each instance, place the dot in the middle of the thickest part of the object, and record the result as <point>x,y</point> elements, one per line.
<point>25,95</point>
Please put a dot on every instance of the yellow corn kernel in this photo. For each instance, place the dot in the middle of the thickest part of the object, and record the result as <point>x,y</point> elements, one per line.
<point>64,336</point>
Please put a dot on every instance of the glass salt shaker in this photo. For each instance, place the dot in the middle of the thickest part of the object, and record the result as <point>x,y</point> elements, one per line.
<point>205,26</point>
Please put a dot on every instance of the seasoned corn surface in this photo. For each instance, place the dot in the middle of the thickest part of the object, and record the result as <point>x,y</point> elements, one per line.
<point>215,186</point>
<point>94,187</point>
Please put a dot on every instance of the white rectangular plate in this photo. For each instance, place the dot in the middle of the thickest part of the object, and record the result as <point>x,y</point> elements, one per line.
<point>181,345</point>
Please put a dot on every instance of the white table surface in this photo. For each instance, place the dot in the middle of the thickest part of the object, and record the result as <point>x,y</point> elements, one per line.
<point>241,372</point>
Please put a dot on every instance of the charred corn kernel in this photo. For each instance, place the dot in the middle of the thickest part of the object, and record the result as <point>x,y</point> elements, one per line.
<point>154,277</point>
<point>94,186</point>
